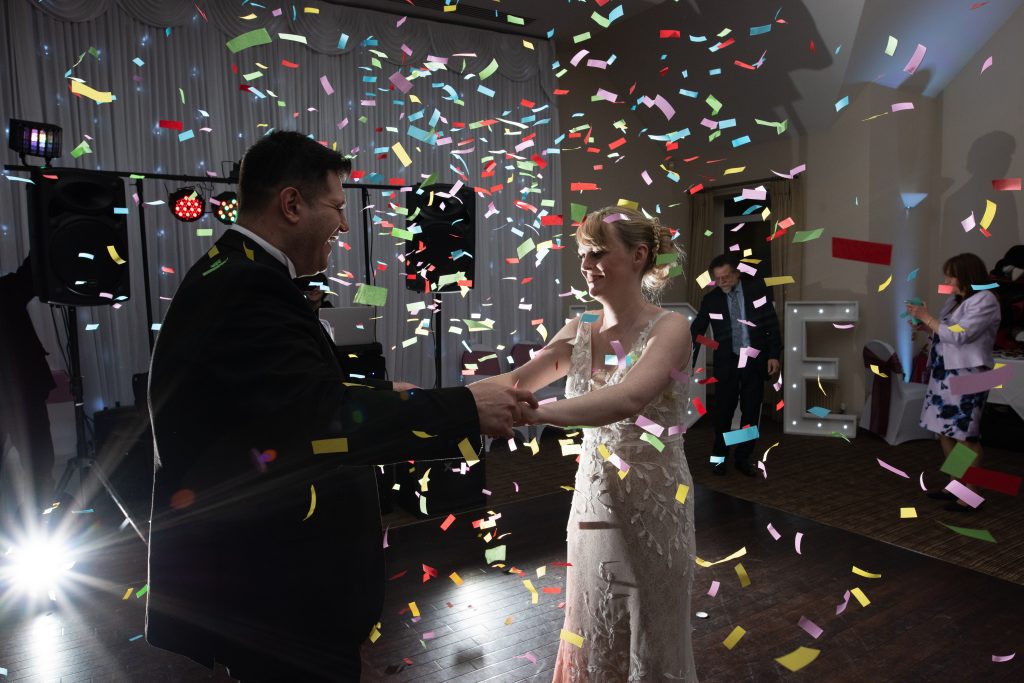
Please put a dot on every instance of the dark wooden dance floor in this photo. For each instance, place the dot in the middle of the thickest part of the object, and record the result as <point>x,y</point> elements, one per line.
<point>927,620</point>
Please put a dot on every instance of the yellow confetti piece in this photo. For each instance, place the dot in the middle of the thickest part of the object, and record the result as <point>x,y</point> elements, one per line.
<point>957,328</point>
<point>375,633</point>
<point>734,637</point>
<point>324,446</point>
<point>527,44</point>
<point>990,213</point>
<point>739,553</point>
<point>821,388</point>
<point>424,481</point>
<point>541,571</point>
<point>534,597</point>
<point>213,251</point>
<point>466,448</point>
<point>628,203</point>
<point>798,658</point>
<point>311,10</point>
<point>742,573</point>
<point>114,255</point>
<point>735,169</point>
<point>570,637</point>
<point>875,369</point>
<point>908,513</point>
<point>861,598</point>
<point>881,287</point>
<point>106,97</point>
<point>866,574</point>
<point>249,253</point>
<point>508,621</point>
<point>534,448</point>
<point>402,155</point>
<point>603,450</point>
<point>704,279</point>
<point>423,435</point>
<point>542,331</point>
<point>764,214</point>
<point>127,593</point>
<point>780,280</point>
<point>415,610</point>
<point>312,503</point>
<point>454,576</point>
<point>681,493</point>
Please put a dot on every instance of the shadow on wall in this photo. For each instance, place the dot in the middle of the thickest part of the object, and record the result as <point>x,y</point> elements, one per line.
<point>988,159</point>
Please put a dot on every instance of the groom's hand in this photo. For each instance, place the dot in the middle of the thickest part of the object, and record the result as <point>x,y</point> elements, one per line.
<point>498,407</point>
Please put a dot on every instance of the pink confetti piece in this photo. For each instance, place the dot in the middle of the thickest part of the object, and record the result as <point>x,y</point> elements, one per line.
<point>620,353</point>
<point>429,635</point>
<point>400,82</point>
<point>679,376</point>
<point>757,193</point>
<point>747,268</point>
<point>342,123</point>
<point>516,484</point>
<point>923,487</point>
<point>676,429</point>
<point>529,656</point>
<point>1003,658</point>
<point>902,106</point>
<point>386,535</point>
<point>736,229</point>
<point>326,85</point>
<point>606,95</point>
<point>647,178</point>
<point>771,529</point>
<point>708,123</point>
<point>667,109</point>
<point>758,303</point>
<point>760,466</point>
<point>965,494</point>
<point>841,607</point>
<point>892,469</point>
<point>578,57</point>
<point>400,22</point>
<point>968,223</point>
<point>915,60</point>
<point>847,326</point>
<point>786,223</point>
<point>809,626</point>
<point>649,425</point>
<point>597,64</point>
<point>486,492</point>
<point>611,218</point>
<point>984,67</point>
<point>713,591</point>
<point>406,50</point>
<point>797,541</point>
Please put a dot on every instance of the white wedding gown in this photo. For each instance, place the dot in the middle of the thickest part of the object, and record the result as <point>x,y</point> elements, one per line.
<point>630,543</point>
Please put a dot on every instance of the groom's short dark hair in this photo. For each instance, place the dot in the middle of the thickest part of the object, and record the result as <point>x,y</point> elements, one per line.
<point>285,159</point>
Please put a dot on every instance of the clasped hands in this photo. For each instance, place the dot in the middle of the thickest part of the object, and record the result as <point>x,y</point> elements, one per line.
<point>501,407</point>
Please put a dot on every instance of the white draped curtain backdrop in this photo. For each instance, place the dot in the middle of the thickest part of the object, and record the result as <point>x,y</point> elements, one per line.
<point>167,60</point>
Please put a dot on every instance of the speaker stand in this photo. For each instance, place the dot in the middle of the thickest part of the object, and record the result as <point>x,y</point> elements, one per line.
<point>84,460</point>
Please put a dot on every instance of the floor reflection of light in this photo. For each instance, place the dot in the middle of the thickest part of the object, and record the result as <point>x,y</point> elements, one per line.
<point>45,646</point>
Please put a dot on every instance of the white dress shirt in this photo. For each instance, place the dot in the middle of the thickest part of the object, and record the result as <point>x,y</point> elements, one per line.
<point>268,247</point>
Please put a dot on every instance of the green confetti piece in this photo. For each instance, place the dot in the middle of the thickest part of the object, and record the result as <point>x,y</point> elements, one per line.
<point>653,440</point>
<point>980,534</point>
<point>807,235</point>
<point>489,70</point>
<point>525,248</point>
<point>214,266</point>
<point>518,21</point>
<point>83,148</point>
<point>890,48</point>
<point>401,234</point>
<point>581,37</point>
<point>675,271</point>
<point>664,259</point>
<point>958,460</point>
<point>600,20</point>
<point>204,232</point>
<point>258,37</point>
<point>841,436</point>
<point>451,279</point>
<point>430,180</point>
<point>715,105</point>
<point>577,211</point>
<point>142,591</point>
<point>478,325</point>
<point>371,295</point>
<point>181,93</point>
<point>496,554</point>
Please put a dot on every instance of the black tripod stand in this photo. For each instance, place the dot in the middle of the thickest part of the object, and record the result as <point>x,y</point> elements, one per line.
<point>85,460</point>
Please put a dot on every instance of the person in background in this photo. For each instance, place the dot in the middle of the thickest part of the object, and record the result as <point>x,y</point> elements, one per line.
<point>742,316</point>
<point>25,384</point>
<point>963,335</point>
<point>313,288</point>
<point>266,552</point>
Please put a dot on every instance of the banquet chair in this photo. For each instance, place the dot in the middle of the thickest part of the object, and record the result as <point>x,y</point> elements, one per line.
<point>892,407</point>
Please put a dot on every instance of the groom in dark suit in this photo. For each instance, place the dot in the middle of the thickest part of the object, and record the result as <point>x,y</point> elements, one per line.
<point>742,316</point>
<point>266,552</point>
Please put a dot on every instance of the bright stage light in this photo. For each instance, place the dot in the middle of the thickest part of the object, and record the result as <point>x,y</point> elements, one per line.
<point>38,566</point>
<point>226,210</point>
<point>186,204</point>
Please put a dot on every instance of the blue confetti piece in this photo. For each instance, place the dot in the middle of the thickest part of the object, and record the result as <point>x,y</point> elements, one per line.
<point>484,90</point>
<point>688,93</point>
<point>841,104</point>
<point>187,135</point>
<point>740,435</point>
<point>991,285</point>
<point>342,41</point>
<point>588,317</point>
<point>717,459</point>
<point>741,141</point>
<point>714,72</point>
<point>913,274</point>
<point>818,411</point>
<point>120,210</point>
<point>728,123</point>
<point>138,62</point>
<point>758,30</point>
<point>134,638</point>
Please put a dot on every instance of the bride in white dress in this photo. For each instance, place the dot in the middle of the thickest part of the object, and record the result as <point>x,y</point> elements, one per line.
<point>630,539</point>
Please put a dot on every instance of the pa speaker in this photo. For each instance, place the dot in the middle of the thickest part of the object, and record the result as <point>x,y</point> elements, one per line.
<point>445,243</point>
<point>79,237</point>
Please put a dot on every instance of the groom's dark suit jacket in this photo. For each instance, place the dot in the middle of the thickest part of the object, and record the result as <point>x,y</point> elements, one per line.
<point>763,337</point>
<point>244,389</point>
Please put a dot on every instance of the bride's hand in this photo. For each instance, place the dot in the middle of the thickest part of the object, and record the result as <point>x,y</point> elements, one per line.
<point>525,415</point>
<point>402,386</point>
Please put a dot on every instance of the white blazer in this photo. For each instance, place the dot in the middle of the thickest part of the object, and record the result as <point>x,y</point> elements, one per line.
<point>978,320</point>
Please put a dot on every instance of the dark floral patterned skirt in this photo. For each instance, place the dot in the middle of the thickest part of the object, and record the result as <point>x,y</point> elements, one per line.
<point>955,416</point>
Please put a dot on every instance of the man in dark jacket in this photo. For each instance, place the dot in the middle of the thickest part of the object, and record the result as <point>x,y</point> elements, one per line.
<point>266,552</point>
<point>25,384</point>
<point>742,316</point>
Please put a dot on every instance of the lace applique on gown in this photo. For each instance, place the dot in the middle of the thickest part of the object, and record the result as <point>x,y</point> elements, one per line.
<point>630,543</point>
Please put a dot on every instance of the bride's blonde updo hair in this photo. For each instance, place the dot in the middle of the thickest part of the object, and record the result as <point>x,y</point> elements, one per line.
<point>634,229</point>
